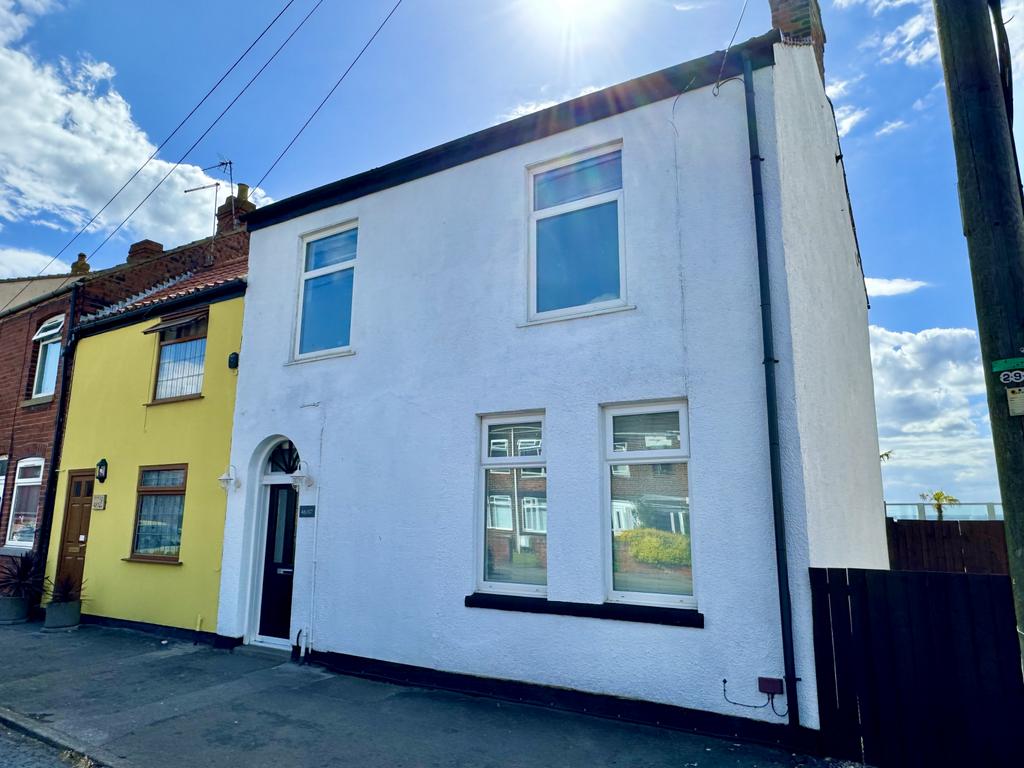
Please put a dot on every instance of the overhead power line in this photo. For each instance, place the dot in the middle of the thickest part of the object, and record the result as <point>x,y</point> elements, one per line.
<point>205,133</point>
<point>194,144</point>
<point>163,143</point>
<point>329,93</point>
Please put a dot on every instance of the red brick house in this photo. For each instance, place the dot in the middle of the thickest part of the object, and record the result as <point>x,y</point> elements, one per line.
<point>38,318</point>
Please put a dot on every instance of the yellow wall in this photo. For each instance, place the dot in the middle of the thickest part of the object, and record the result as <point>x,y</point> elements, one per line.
<point>108,418</point>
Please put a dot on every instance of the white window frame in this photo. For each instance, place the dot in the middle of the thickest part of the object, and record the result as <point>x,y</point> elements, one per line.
<point>610,458</point>
<point>587,202</point>
<point>304,275</point>
<point>18,484</point>
<point>49,334</point>
<point>3,480</point>
<point>480,518</point>
<point>538,507</point>
<point>506,499</point>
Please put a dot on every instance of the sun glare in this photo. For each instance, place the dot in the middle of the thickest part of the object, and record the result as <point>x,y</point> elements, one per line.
<point>571,13</point>
<point>566,11</point>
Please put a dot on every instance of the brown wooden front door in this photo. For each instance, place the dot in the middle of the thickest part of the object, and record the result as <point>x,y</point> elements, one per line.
<point>75,535</point>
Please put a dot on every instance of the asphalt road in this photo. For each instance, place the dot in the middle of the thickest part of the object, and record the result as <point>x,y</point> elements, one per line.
<point>19,751</point>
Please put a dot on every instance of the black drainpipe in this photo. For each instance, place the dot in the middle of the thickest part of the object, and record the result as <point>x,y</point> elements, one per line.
<point>43,542</point>
<point>767,337</point>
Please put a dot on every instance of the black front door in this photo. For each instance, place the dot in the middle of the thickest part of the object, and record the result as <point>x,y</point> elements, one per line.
<point>279,562</point>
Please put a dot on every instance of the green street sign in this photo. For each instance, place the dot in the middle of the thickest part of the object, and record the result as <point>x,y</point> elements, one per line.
<point>1010,364</point>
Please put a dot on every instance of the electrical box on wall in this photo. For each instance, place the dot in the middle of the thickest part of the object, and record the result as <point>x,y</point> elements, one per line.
<point>773,686</point>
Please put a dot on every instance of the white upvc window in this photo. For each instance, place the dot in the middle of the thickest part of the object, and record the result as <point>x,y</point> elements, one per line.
<point>513,499</point>
<point>47,356</point>
<point>3,482</point>
<point>21,525</point>
<point>577,262</point>
<point>647,505</point>
<point>324,322</point>
<point>535,514</point>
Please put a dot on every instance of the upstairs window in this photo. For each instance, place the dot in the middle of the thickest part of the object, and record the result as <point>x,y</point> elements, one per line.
<point>21,526</point>
<point>325,299</point>
<point>48,356</point>
<point>576,251</point>
<point>182,360</point>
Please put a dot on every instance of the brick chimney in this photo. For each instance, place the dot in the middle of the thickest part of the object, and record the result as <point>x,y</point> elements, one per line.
<point>799,21</point>
<point>231,210</point>
<point>144,249</point>
<point>81,265</point>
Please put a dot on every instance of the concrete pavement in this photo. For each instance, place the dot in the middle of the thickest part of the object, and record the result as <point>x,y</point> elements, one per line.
<point>131,699</point>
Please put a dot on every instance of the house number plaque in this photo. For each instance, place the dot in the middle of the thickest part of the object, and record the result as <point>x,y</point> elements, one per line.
<point>99,501</point>
<point>307,510</point>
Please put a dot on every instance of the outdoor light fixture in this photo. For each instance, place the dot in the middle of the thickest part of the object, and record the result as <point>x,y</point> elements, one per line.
<point>101,470</point>
<point>301,477</point>
<point>229,479</point>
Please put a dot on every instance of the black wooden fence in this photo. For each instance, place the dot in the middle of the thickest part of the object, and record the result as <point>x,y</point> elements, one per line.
<point>918,669</point>
<point>960,546</point>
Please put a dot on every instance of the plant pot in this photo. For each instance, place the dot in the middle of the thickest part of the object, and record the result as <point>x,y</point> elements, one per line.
<point>13,610</point>
<point>63,615</point>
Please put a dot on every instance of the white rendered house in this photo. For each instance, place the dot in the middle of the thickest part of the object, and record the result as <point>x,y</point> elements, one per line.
<point>501,412</point>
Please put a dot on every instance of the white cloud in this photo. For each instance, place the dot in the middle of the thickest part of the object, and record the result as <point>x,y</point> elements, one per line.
<point>913,42</point>
<point>525,108</point>
<point>16,17</point>
<point>875,6</point>
<point>18,262</point>
<point>895,286</point>
<point>72,141</point>
<point>529,107</point>
<point>929,395</point>
<point>891,126</point>
<point>837,89</point>
<point>1014,9</point>
<point>689,6</point>
<point>848,116</point>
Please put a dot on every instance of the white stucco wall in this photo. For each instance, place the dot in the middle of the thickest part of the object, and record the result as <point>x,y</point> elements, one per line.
<point>835,402</point>
<point>391,433</point>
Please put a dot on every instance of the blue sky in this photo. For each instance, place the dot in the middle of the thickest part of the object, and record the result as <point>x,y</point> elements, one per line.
<point>89,89</point>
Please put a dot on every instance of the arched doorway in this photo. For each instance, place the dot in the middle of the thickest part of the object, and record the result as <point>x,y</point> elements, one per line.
<point>276,568</point>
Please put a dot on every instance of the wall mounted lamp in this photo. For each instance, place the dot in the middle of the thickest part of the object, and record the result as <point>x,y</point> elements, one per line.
<point>101,470</point>
<point>229,479</point>
<point>301,477</point>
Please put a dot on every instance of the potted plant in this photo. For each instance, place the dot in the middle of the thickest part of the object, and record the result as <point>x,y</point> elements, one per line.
<point>21,584</point>
<point>65,607</point>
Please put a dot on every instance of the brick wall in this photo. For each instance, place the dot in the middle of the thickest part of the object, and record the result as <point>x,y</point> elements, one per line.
<point>26,426</point>
<point>27,429</point>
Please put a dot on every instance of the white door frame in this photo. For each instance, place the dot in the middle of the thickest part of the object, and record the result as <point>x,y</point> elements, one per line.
<point>259,553</point>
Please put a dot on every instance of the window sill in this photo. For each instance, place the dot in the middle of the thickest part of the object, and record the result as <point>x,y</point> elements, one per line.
<point>14,550</point>
<point>576,315</point>
<point>40,400</point>
<point>166,400</point>
<point>150,561</point>
<point>347,352</point>
<point>645,614</point>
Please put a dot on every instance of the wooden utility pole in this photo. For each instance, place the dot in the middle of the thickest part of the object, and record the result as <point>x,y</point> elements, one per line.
<point>993,219</point>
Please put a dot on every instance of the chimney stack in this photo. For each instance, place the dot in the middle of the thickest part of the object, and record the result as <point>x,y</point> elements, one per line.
<point>81,265</point>
<point>799,21</point>
<point>144,249</point>
<point>231,210</point>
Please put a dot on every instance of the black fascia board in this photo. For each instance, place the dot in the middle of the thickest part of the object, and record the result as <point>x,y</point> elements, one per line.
<point>229,290</point>
<point>595,106</point>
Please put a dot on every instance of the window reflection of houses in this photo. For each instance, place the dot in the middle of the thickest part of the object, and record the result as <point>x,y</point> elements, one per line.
<point>516,505</point>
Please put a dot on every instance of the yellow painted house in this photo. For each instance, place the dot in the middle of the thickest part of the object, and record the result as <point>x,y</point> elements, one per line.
<point>139,510</point>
